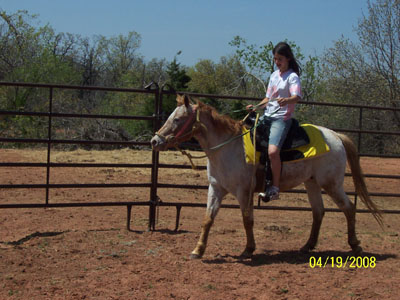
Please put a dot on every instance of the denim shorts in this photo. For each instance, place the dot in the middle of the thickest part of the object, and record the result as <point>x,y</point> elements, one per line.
<point>279,130</point>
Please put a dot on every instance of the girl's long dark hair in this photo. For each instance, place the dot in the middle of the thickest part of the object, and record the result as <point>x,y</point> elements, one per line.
<point>284,49</point>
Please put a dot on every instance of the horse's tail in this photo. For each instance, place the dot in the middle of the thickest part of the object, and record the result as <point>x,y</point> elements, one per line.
<point>358,177</point>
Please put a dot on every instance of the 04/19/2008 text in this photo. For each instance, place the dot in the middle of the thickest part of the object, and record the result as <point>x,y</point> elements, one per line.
<point>338,262</point>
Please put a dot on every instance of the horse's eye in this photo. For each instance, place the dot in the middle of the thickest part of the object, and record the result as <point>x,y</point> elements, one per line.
<point>176,120</point>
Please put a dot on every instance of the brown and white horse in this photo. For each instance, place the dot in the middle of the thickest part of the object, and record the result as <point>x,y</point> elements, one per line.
<point>228,171</point>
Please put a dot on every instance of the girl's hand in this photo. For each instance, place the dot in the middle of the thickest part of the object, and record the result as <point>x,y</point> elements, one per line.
<point>285,101</point>
<point>282,101</point>
<point>250,107</point>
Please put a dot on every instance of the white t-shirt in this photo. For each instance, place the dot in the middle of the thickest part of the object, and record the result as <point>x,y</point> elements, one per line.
<point>282,86</point>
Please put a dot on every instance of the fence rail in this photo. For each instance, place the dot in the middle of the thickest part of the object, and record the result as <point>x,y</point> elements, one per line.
<point>155,165</point>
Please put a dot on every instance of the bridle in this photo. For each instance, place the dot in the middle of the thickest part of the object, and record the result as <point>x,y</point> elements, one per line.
<point>175,139</point>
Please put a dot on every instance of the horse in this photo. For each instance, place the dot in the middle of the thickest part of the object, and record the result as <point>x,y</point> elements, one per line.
<point>228,172</point>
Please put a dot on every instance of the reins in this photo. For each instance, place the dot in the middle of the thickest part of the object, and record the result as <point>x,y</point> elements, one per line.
<point>196,126</point>
<point>191,157</point>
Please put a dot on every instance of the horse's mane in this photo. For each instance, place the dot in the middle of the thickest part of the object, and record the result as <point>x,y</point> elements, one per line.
<point>222,123</point>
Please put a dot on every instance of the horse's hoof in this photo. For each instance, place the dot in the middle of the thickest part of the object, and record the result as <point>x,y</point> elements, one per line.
<point>306,248</point>
<point>194,256</point>
<point>246,254</point>
<point>357,251</point>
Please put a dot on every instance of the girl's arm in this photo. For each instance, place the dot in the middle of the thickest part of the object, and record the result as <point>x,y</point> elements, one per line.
<point>290,100</point>
<point>260,105</point>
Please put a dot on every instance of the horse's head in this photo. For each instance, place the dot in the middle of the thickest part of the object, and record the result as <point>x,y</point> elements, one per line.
<point>179,126</point>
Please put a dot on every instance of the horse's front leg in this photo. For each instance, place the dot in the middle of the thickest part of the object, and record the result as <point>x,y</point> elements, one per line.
<point>215,195</point>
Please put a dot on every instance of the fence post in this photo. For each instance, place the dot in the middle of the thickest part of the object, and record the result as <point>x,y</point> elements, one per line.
<point>359,144</point>
<point>154,162</point>
<point>49,131</point>
<point>360,128</point>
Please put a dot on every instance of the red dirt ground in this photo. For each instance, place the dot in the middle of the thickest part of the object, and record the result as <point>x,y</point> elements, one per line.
<point>87,253</point>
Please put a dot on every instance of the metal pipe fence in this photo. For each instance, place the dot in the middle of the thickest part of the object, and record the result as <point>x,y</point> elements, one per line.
<point>153,185</point>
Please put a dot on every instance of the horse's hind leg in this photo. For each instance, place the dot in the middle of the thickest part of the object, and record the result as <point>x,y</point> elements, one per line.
<point>215,195</point>
<point>343,202</point>
<point>246,205</point>
<point>318,211</point>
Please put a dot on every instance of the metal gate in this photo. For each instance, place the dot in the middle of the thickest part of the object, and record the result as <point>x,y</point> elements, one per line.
<point>153,186</point>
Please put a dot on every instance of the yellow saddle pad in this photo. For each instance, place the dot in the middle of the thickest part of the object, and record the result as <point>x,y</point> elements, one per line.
<point>316,147</point>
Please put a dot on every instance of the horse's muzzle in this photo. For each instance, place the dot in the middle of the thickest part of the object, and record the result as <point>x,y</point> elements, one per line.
<point>158,144</point>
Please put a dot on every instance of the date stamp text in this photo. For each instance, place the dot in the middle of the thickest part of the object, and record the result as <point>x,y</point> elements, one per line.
<point>338,262</point>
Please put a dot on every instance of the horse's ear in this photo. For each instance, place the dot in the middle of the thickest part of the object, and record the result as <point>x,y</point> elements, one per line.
<point>183,99</point>
<point>180,100</point>
<point>186,100</point>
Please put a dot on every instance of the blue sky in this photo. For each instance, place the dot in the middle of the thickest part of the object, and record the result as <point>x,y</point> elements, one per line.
<point>203,28</point>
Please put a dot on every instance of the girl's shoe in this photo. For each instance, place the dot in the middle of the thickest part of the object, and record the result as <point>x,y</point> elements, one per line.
<point>272,193</point>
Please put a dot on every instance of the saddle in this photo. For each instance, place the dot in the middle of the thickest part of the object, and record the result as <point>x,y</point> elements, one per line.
<point>295,138</point>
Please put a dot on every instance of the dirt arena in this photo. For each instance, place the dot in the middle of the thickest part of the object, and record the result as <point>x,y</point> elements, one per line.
<point>87,253</point>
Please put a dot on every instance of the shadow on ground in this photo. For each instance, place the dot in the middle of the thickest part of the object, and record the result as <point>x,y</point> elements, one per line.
<point>296,257</point>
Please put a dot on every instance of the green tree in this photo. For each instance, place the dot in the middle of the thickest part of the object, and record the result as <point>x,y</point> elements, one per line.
<point>379,36</point>
<point>224,78</point>
<point>31,54</point>
<point>34,54</point>
<point>367,72</point>
<point>122,57</point>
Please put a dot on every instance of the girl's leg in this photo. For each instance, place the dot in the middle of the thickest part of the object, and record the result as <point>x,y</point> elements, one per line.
<point>275,160</point>
<point>279,130</point>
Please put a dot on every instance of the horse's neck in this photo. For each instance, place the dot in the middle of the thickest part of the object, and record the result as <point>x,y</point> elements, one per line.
<point>212,138</point>
<point>226,165</point>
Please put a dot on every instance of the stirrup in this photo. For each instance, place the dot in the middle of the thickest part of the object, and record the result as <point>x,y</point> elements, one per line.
<point>271,193</point>
<point>264,197</point>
